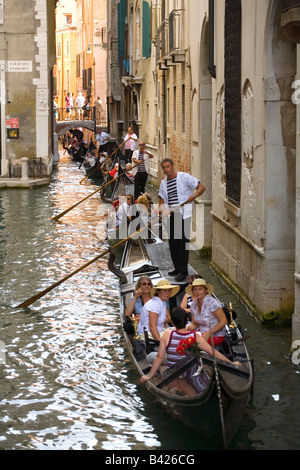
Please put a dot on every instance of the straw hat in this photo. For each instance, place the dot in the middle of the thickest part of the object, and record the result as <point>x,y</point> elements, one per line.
<point>164,284</point>
<point>199,282</point>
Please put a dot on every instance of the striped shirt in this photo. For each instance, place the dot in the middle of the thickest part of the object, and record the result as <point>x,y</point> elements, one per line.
<point>141,167</point>
<point>172,355</point>
<point>172,192</point>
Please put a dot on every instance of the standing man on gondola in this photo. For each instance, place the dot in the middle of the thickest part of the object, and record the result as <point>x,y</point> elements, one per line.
<point>130,140</point>
<point>140,157</point>
<point>177,188</point>
<point>103,138</point>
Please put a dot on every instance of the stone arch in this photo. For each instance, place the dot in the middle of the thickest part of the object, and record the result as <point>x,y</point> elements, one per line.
<point>65,126</point>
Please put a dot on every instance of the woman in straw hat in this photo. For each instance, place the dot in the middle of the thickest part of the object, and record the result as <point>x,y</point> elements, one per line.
<point>154,314</point>
<point>208,316</point>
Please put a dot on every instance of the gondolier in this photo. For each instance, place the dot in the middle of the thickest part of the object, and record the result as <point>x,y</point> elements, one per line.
<point>103,138</point>
<point>174,190</point>
<point>141,171</point>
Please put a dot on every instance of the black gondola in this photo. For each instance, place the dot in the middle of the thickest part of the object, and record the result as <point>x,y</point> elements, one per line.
<point>224,398</point>
<point>122,186</point>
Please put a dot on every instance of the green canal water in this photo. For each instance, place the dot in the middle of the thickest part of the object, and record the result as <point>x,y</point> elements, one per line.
<point>66,382</point>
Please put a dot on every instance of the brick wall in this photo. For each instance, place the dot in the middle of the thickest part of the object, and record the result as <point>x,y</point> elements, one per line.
<point>179,138</point>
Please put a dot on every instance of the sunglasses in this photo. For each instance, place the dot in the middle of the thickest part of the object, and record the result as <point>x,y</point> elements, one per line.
<point>146,284</point>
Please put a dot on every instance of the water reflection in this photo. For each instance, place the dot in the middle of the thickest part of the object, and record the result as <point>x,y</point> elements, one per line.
<point>66,382</point>
<point>65,378</point>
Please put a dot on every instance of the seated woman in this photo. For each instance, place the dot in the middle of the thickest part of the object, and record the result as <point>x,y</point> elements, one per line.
<point>141,296</point>
<point>154,315</point>
<point>168,346</point>
<point>188,299</point>
<point>208,316</point>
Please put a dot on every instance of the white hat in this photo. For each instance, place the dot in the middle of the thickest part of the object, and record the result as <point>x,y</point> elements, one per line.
<point>164,284</point>
<point>199,282</point>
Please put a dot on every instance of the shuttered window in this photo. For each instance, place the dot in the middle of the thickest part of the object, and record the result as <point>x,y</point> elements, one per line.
<point>122,14</point>
<point>233,51</point>
<point>146,30</point>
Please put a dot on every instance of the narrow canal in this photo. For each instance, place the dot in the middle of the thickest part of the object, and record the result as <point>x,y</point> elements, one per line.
<point>65,379</point>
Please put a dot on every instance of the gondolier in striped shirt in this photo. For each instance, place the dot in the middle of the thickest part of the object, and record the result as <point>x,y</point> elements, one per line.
<point>141,171</point>
<point>177,188</point>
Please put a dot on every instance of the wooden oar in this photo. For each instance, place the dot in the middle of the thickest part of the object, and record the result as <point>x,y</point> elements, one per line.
<point>81,181</point>
<point>88,263</point>
<point>56,217</point>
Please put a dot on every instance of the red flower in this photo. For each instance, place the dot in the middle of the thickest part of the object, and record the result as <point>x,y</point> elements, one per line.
<point>190,341</point>
<point>180,350</point>
<point>185,344</point>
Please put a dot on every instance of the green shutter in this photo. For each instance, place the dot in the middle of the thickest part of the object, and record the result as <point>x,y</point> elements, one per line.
<point>146,30</point>
<point>121,27</point>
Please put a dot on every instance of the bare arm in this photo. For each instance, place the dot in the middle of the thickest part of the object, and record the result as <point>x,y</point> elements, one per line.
<point>130,308</point>
<point>159,358</point>
<point>153,325</point>
<point>199,191</point>
<point>204,346</point>
<point>222,321</point>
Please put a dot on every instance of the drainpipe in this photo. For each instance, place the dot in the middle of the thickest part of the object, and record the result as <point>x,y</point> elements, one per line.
<point>164,104</point>
<point>211,19</point>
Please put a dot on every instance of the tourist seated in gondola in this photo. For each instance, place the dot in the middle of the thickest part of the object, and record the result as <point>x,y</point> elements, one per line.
<point>114,172</point>
<point>90,159</point>
<point>103,157</point>
<point>155,315</point>
<point>208,316</point>
<point>140,298</point>
<point>169,352</point>
<point>124,213</point>
<point>74,146</point>
<point>129,172</point>
<point>187,298</point>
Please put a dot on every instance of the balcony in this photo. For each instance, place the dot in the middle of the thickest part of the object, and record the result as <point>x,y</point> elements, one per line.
<point>290,19</point>
<point>176,36</point>
<point>170,48</point>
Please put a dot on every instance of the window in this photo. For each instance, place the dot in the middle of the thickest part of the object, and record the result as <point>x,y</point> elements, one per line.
<point>58,49</point>
<point>67,18</point>
<point>233,98</point>
<point>146,30</point>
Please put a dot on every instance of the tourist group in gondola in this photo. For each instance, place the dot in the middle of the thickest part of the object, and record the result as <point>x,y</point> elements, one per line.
<point>184,342</point>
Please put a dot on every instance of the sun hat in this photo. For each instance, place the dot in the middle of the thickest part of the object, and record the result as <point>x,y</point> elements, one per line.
<point>199,282</point>
<point>164,284</point>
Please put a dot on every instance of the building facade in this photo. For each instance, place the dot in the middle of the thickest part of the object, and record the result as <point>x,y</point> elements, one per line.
<point>226,109</point>
<point>91,55</point>
<point>66,48</point>
<point>27,57</point>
